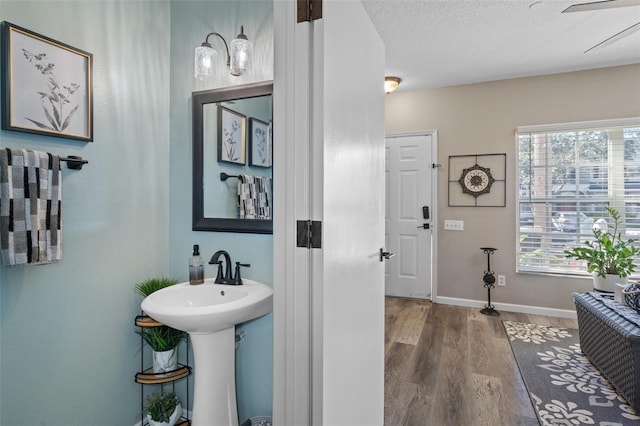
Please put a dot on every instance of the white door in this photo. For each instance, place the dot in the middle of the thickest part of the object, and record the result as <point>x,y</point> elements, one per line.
<point>348,276</point>
<point>328,167</point>
<point>409,215</point>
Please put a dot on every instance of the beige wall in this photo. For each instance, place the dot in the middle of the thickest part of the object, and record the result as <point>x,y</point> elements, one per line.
<point>481,119</point>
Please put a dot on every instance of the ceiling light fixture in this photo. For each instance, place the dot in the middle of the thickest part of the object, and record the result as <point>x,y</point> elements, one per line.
<point>391,84</point>
<point>238,56</point>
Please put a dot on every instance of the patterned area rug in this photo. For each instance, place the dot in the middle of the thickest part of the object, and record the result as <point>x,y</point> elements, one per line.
<point>565,388</point>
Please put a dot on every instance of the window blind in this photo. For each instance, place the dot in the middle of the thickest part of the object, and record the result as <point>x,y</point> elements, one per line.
<point>567,174</point>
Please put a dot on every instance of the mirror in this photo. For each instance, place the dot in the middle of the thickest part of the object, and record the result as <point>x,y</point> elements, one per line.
<point>232,128</point>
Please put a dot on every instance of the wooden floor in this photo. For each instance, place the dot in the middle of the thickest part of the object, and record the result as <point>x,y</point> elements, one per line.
<point>452,366</point>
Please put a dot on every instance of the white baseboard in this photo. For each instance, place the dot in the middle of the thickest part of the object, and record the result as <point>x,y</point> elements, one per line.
<point>523,309</point>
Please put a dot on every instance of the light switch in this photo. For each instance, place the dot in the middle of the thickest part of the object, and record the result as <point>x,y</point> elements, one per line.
<point>454,225</point>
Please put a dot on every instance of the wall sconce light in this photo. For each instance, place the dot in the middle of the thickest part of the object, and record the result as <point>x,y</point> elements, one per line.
<point>391,84</point>
<point>238,56</point>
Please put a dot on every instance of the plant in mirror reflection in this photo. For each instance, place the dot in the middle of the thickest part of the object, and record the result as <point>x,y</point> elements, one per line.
<point>57,99</point>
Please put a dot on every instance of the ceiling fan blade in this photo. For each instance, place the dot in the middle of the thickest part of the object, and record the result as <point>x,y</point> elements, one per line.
<point>622,34</point>
<point>598,5</point>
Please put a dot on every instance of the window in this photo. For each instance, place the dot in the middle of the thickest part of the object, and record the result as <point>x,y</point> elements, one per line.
<point>567,174</point>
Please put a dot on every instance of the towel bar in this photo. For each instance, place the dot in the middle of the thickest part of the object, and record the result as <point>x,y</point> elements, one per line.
<point>74,162</point>
<point>224,176</point>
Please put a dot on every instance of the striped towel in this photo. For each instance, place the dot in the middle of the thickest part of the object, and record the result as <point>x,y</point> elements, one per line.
<point>254,197</point>
<point>30,207</point>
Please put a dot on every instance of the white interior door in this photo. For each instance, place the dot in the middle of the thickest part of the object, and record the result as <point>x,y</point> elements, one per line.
<point>348,276</point>
<point>409,214</point>
<point>328,167</point>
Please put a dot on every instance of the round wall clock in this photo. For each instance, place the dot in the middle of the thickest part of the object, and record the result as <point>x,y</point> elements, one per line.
<point>476,180</point>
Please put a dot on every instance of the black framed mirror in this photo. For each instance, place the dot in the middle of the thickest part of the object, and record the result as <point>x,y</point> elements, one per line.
<point>232,144</point>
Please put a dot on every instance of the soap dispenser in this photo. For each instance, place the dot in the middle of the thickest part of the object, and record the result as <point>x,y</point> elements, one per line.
<point>196,267</point>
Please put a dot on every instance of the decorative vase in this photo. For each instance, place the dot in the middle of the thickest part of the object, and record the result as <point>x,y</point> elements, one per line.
<point>607,284</point>
<point>165,361</point>
<point>172,420</point>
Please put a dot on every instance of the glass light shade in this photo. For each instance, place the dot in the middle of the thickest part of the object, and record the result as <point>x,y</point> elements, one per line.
<point>391,84</point>
<point>241,52</point>
<point>205,61</point>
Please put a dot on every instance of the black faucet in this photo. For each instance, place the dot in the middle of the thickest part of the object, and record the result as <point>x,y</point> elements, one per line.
<point>227,277</point>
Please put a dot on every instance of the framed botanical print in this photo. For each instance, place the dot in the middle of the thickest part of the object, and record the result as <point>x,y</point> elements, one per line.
<point>232,139</point>
<point>47,85</point>
<point>260,143</point>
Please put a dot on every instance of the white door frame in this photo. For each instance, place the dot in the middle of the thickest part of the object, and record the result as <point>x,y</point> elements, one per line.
<point>292,334</point>
<point>434,206</point>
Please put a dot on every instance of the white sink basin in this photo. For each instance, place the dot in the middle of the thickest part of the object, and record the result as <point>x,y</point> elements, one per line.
<point>209,313</point>
<point>208,307</point>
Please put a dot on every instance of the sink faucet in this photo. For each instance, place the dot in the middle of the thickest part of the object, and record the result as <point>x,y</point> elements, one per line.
<point>227,277</point>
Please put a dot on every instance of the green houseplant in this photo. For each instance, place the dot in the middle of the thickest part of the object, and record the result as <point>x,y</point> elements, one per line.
<point>163,340</point>
<point>151,285</point>
<point>608,256</point>
<point>163,409</point>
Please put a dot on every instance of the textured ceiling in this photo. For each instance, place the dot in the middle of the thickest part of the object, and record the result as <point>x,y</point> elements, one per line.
<point>439,43</point>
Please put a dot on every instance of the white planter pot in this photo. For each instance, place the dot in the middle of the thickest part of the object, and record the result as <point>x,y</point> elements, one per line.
<point>608,283</point>
<point>172,420</point>
<point>165,361</point>
<point>617,295</point>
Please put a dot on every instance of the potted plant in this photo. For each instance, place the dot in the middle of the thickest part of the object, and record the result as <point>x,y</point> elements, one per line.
<point>163,409</point>
<point>164,341</point>
<point>151,285</point>
<point>609,257</point>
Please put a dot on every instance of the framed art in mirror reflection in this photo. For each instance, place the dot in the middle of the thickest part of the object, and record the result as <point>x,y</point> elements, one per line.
<point>232,138</point>
<point>260,143</point>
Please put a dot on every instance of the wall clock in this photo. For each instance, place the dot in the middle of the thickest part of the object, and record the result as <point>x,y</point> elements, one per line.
<point>476,180</point>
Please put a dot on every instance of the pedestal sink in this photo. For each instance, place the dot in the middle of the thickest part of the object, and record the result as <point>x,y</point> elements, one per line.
<point>209,313</point>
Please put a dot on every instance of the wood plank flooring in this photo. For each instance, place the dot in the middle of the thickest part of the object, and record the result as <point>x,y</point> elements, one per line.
<point>452,366</point>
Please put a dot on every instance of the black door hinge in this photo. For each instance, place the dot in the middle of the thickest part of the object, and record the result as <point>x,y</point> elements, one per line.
<point>309,10</point>
<point>309,234</point>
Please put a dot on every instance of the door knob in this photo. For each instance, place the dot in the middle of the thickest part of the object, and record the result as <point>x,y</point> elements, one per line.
<point>385,255</point>
<point>424,226</point>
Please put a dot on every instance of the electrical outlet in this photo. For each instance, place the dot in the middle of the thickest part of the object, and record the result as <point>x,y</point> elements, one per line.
<point>501,281</point>
<point>454,225</point>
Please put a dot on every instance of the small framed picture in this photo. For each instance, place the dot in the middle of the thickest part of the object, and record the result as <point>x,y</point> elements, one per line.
<point>260,146</point>
<point>232,139</point>
<point>47,85</point>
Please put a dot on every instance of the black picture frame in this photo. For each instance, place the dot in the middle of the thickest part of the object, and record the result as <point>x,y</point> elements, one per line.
<point>47,85</point>
<point>200,222</point>
<point>495,164</point>
<point>232,136</point>
<point>259,143</point>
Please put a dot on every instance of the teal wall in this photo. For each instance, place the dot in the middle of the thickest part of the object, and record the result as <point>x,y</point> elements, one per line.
<point>68,353</point>
<point>191,21</point>
<point>68,350</point>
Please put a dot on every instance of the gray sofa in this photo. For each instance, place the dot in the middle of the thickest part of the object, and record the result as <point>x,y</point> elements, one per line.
<point>610,338</point>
